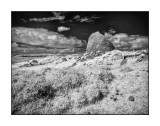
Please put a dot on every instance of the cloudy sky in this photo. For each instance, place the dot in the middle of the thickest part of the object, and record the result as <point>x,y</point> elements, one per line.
<point>82,24</point>
<point>70,30</point>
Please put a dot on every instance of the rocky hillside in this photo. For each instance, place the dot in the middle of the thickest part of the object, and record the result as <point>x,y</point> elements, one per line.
<point>96,82</point>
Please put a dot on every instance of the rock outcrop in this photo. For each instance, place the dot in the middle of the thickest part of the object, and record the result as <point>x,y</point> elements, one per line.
<point>97,41</point>
<point>89,55</point>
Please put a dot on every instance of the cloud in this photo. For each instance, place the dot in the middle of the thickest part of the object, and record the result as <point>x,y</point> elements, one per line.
<point>85,19</point>
<point>43,37</point>
<point>131,42</point>
<point>140,42</point>
<point>56,16</point>
<point>62,28</point>
<point>47,19</point>
<point>76,17</point>
<point>79,18</point>
<point>121,36</point>
<point>108,35</point>
<point>23,20</point>
<point>112,31</point>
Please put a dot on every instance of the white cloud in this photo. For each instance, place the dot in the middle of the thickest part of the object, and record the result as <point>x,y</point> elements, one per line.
<point>140,42</point>
<point>85,19</point>
<point>121,35</point>
<point>76,17</point>
<point>56,16</point>
<point>122,40</point>
<point>47,19</point>
<point>107,35</point>
<point>42,37</point>
<point>112,31</point>
<point>53,37</point>
<point>62,28</point>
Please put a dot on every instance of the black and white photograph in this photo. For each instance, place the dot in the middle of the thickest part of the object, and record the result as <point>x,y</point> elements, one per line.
<point>79,62</point>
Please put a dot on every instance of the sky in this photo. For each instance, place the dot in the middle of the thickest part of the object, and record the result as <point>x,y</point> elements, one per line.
<point>82,24</point>
<point>71,30</point>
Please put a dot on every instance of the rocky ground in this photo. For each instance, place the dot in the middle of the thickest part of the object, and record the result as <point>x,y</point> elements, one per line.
<point>114,82</point>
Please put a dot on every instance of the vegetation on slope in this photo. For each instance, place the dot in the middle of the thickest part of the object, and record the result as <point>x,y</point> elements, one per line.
<point>56,91</point>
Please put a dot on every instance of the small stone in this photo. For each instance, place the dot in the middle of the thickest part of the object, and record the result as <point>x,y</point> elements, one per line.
<point>83,59</point>
<point>131,98</point>
<point>34,62</point>
<point>117,93</point>
<point>115,99</point>
<point>121,94</point>
<point>64,59</point>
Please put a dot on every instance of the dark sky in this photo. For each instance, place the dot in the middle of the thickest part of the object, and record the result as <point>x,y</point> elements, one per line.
<point>82,24</point>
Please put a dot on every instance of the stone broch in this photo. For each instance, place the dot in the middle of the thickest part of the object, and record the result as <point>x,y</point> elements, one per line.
<point>97,41</point>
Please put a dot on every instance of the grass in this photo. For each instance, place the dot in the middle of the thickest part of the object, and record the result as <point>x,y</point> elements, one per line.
<point>126,69</point>
<point>61,91</point>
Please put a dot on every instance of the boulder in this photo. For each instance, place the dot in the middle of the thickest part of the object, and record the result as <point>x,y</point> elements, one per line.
<point>97,41</point>
<point>94,41</point>
<point>117,56</point>
<point>34,62</point>
<point>131,98</point>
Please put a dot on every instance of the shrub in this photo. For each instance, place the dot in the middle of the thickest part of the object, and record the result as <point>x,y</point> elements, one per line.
<point>106,77</point>
<point>78,99</point>
<point>103,87</point>
<point>47,92</point>
<point>28,89</point>
<point>61,104</point>
<point>93,94</point>
<point>65,80</point>
<point>34,107</point>
<point>33,94</point>
<point>30,96</point>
